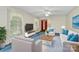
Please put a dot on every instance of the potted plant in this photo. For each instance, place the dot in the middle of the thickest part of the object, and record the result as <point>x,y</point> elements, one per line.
<point>2,36</point>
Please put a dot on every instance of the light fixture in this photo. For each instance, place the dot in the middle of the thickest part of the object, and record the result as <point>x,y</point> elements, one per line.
<point>63,27</point>
<point>47,13</point>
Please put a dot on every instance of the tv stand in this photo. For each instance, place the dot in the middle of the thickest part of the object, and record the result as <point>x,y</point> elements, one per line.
<point>30,33</point>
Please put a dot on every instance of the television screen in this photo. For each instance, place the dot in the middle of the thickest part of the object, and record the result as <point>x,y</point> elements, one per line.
<point>28,27</point>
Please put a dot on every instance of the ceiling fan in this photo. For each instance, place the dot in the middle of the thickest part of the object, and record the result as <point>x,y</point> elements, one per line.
<point>47,12</point>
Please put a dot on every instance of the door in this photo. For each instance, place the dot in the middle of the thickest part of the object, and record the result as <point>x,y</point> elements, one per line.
<point>43,25</point>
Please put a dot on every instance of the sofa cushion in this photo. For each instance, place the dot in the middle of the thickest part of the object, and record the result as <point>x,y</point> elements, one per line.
<point>70,32</point>
<point>70,36</point>
<point>74,38</point>
<point>65,31</point>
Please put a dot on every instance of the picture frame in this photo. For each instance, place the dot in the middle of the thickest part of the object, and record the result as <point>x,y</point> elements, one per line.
<point>75,22</point>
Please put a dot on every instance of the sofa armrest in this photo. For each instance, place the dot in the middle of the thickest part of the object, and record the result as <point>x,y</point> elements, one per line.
<point>72,43</point>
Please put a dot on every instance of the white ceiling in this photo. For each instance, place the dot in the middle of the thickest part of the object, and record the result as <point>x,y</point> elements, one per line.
<point>39,11</point>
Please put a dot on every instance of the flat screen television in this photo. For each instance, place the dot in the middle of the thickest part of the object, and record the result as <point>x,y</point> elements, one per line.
<point>28,27</point>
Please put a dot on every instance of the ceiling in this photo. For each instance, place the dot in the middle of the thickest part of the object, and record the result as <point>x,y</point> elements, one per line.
<point>40,11</point>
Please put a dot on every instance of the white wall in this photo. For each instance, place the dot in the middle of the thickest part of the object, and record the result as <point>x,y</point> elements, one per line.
<point>3,19</point>
<point>3,16</point>
<point>57,22</point>
<point>26,18</point>
<point>74,12</point>
<point>7,12</point>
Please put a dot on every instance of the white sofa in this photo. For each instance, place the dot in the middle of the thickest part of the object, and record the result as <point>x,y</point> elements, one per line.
<point>23,44</point>
<point>70,43</point>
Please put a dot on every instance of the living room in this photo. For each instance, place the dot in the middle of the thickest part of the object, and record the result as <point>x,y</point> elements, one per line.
<point>38,24</point>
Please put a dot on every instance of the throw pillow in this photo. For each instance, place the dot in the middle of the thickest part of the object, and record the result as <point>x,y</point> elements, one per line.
<point>65,31</point>
<point>74,38</point>
<point>70,36</point>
